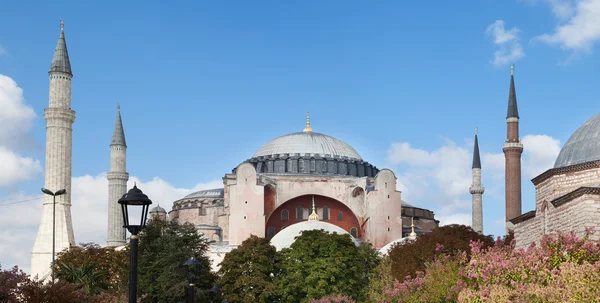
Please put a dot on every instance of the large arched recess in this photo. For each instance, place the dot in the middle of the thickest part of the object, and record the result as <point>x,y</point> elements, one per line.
<point>276,222</point>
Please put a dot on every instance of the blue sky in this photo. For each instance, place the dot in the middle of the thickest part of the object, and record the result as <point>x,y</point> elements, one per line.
<point>202,85</point>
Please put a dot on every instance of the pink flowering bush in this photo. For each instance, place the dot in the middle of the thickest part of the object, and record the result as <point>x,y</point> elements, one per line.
<point>562,268</point>
<point>338,298</point>
<point>536,274</point>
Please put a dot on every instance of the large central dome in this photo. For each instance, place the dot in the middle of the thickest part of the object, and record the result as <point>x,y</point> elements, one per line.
<point>583,146</point>
<point>310,143</point>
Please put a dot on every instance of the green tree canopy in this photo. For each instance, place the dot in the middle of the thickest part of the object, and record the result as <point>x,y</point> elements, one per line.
<point>163,248</point>
<point>320,263</point>
<point>248,272</point>
<point>409,257</point>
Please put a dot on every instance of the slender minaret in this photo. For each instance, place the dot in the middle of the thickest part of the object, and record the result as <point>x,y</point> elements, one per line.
<point>512,148</point>
<point>59,120</point>
<point>117,183</point>
<point>476,190</point>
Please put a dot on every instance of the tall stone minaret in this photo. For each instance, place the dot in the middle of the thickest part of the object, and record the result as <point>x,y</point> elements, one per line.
<point>59,120</point>
<point>512,148</point>
<point>477,190</point>
<point>117,183</point>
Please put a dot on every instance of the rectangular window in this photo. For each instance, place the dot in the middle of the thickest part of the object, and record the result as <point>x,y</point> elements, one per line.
<point>325,213</point>
<point>299,213</point>
<point>340,216</point>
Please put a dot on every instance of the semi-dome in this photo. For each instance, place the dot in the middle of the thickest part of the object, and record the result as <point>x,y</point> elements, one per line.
<point>307,143</point>
<point>583,146</point>
<point>287,236</point>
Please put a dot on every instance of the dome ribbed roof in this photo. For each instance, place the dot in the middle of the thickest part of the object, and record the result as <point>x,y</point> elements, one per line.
<point>158,209</point>
<point>207,193</point>
<point>307,143</point>
<point>288,235</point>
<point>583,146</point>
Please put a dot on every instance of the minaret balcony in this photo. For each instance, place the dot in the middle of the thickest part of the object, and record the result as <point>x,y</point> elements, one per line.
<point>476,189</point>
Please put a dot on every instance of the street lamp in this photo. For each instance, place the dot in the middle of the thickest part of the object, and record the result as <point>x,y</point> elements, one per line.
<point>192,272</point>
<point>58,193</point>
<point>135,205</point>
<point>213,293</point>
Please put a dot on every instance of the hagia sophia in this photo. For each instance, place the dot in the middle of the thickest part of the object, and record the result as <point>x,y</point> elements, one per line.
<point>309,180</point>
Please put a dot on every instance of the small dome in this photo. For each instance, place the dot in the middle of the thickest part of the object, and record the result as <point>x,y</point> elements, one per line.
<point>207,193</point>
<point>308,142</point>
<point>384,250</point>
<point>583,146</point>
<point>288,235</point>
<point>158,209</point>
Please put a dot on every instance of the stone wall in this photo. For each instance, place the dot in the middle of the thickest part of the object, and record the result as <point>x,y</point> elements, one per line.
<point>563,183</point>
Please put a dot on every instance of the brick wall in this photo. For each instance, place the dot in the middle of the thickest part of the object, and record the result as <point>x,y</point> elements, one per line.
<point>562,184</point>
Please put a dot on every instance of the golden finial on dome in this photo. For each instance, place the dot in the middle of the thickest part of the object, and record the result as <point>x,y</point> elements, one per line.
<point>307,128</point>
<point>314,216</point>
<point>413,234</point>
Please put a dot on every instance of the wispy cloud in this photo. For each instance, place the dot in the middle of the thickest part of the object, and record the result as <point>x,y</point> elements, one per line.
<point>2,51</point>
<point>509,50</point>
<point>579,24</point>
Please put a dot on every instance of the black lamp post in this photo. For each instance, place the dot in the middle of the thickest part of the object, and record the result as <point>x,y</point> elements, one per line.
<point>134,203</point>
<point>214,293</point>
<point>58,193</point>
<point>192,272</point>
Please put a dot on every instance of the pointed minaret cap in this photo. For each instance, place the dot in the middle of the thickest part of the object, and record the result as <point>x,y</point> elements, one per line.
<point>307,128</point>
<point>413,234</point>
<point>513,111</point>
<point>476,157</point>
<point>60,61</point>
<point>313,216</point>
<point>118,137</point>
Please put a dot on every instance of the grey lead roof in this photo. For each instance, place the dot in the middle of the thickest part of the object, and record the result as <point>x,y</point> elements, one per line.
<point>513,111</point>
<point>310,143</point>
<point>158,209</point>
<point>60,62</point>
<point>583,146</point>
<point>118,137</point>
<point>476,158</point>
<point>207,193</point>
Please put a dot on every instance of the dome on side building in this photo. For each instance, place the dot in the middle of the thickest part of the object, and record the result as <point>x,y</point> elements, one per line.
<point>583,146</point>
<point>158,209</point>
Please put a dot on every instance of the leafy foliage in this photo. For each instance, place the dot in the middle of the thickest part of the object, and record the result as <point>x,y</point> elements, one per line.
<point>247,273</point>
<point>163,248</point>
<point>334,299</point>
<point>410,257</point>
<point>36,291</point>
<point>97,268</point>
<point>319,263</point>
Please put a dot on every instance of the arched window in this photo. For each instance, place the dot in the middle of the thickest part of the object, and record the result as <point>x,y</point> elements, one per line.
<point>340,216</point>
<point>299,212</point>
<point>285,215</point>
<point>325,212</point>
<point>270,232</point>
<point>353,231</point>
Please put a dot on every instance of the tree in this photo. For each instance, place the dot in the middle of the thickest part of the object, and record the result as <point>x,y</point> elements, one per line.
<point>9,284</point>
<point>163,248</point>
<point>409,257</point>
<point>320,263</point>
<point>37,291</point>
<point>95,266</point>
<point>248,272</point>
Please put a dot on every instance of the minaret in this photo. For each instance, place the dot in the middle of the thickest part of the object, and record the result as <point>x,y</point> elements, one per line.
<point>476,190</point>
<point>117,183</point>
<point>59,120</point>
<point>512,148</point>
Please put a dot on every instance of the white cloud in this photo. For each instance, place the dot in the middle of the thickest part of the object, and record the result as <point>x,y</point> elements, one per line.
<point>579,26</point>
<point>509,49</point>
<point>16,120</point>
<point>443,176</point>
<point>2,51</point>
<point>15,168</point>
<point>16,116</point>
<point>89,204</point>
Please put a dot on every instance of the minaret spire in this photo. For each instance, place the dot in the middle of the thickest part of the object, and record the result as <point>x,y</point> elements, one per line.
<point>60,61</point>
<point>117,183</point>
<point>412,234</point>
<point>307,128</point>
<point>512,148</point>
<point>476,189</point>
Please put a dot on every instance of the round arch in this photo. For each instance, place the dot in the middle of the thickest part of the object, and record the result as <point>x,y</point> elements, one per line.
<point>299,208</point>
